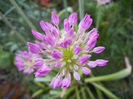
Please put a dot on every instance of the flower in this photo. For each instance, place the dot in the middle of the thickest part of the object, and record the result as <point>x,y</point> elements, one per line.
<point>27,61</point>
<point>68,50</point>
<point>103,2</point>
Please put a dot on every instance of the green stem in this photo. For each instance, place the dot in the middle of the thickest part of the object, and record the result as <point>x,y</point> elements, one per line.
<point>81,8</point>
<point>20,11</point>
<point>77,92</point>
<point>11,26</point>
<point>68,91</point>
<point>106,91</point>
<point>83,92</point>
<point>65,6</point>
<point>98,16</point>
<point>40,91</point>
<point>90,93</point>
<point>115,76</point>
<point>99,93</point>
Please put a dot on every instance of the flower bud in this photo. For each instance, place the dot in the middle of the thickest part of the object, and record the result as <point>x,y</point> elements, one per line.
<point>54,18</point>
<point>66,83</point>
<point>34,48</point>
<point>77,50</point>
<point>40,44</point>
<point>84,59</point>
<point>73,18</point>
<point>92,34</point>
<point>66,43</point>
<point>70,33</point>
<point>58,64</point>
<point>66,25</point>
<point>91,43</point>
<point>98,49</point>
<point>54,32</point>
<point>76,75</point>
<point>37,35</point>
<point>38,62</point>
<point>43,71</point>
<point>85,23</point>
<point>86,70</point>
<point>101,62</point>
<point>56,54</point>
<point>57,83</point>
<point>49,40</point>
<point>92,64</point>
<point>46,27</point>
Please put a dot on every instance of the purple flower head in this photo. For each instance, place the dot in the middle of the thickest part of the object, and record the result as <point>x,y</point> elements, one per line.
<point>68,50</point>
<point>98,49</point>
<point>86,70</point>
<point>43,71</point>
<point>101,62</point>
<point>54,18</point>
<point>73,18</point>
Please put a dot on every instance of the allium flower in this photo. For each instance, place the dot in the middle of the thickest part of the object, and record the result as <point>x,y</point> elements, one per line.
<point>68,50</point>
<point>27,61</point>
<point>103,2</point>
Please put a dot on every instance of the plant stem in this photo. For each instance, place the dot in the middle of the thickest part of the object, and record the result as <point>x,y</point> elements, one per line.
<point>90,93</point>
<point>81,8</point>
<point>68,91</point>
<point>77,92</point>
<point>20,11</point>
<point>115,76</point>
<point>11,26</point>
<point>65,7</point>
<point>106,91</point>
<point>98,16</point>
<point>83,93</point>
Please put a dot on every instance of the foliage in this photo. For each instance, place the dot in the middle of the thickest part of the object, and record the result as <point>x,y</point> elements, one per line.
<point>114,22</point>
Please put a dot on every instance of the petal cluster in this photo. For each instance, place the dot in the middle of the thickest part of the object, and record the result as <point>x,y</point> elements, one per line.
<point>68,50</point>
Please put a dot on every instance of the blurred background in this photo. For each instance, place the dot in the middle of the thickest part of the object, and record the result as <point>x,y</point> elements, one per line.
<point>17,17</point>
